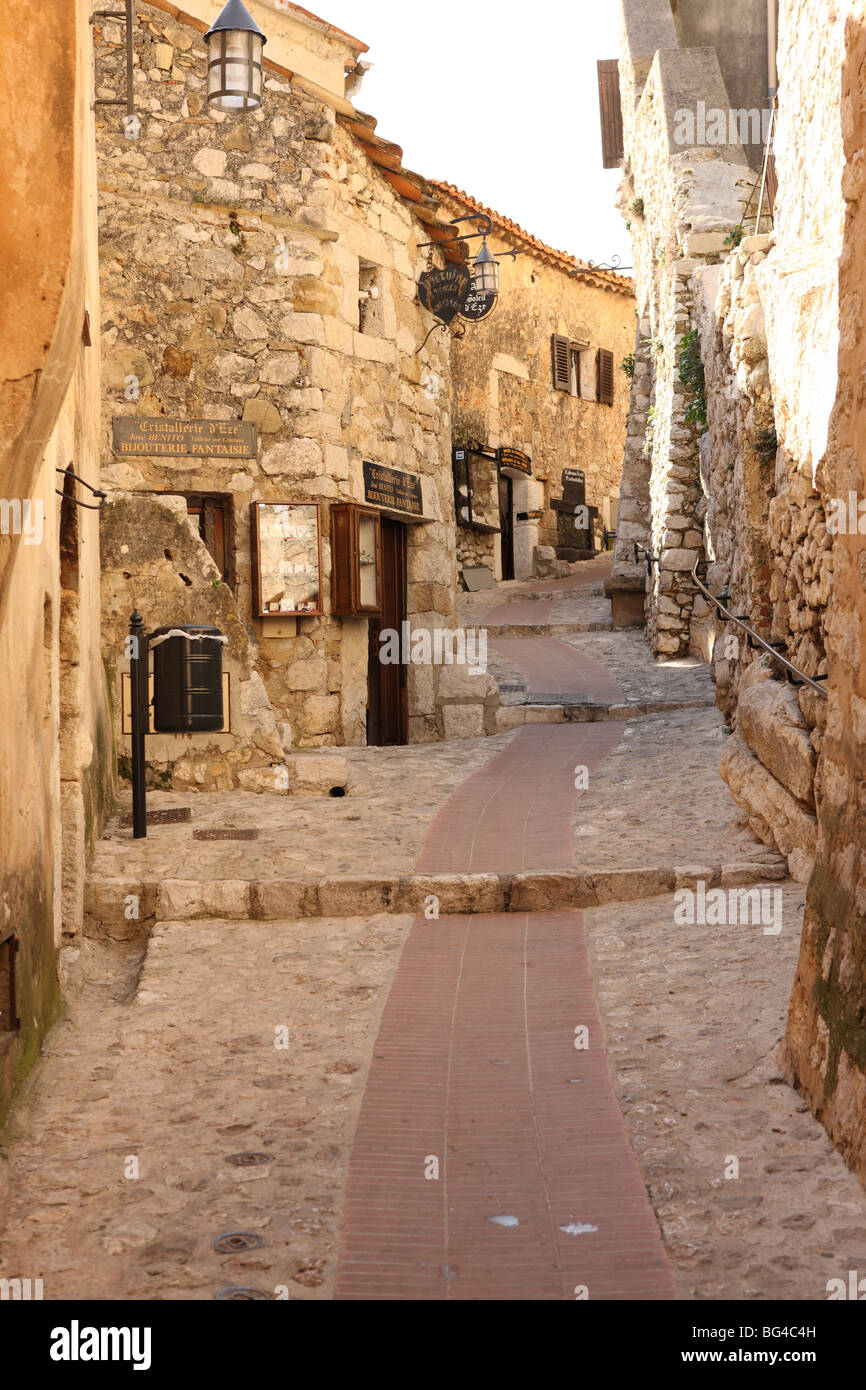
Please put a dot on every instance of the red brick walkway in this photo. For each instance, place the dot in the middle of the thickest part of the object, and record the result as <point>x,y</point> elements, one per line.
<point>516,813</point>
<point>491,1160</point>
<point>475,1068</point>
<point>553,667</point>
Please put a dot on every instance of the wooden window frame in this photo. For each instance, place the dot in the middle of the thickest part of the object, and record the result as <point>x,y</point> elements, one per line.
<point>258,610</point>
<point>346,601</point>
<point>604,377</point>
<point>10,1023</point>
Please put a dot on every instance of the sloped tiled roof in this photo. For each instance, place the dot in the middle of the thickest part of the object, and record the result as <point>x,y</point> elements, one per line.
<point>609,279</point>
<point>418,193</point>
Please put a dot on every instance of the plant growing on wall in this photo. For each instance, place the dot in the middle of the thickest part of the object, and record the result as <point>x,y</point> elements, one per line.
<point>636,207</point>
<point>691,373</point>
<point>650,432</point>
<point>735,237</point>
<point>627,365</point>
<point>765,445</point>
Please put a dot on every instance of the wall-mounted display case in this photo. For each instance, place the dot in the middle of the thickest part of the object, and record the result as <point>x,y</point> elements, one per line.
<point>287,559</point>
<point>356,561</point>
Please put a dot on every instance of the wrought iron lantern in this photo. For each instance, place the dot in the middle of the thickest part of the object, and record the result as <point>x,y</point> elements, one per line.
<point>234,69</point>
<point>485,271</point>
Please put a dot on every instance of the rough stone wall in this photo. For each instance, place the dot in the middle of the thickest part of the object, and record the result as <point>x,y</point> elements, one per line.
<point>680,204</point>
<point>503,394</point>
<point>55,742</point>
<point>826,1036</point>
<point>232,254</point>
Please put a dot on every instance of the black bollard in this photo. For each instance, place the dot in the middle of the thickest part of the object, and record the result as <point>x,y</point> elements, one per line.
<point>138,676</point>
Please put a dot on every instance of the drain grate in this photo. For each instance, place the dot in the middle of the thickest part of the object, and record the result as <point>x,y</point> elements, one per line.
<point>249,1160</point>
<point>239,1291</point>
<point>172,816</point>
<point>225,833</point>
<point>232,1242</point>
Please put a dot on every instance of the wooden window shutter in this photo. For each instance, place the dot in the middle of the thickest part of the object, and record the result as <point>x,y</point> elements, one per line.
<point>611,113</point>
<point>604,376</point>
<point>560,352</point>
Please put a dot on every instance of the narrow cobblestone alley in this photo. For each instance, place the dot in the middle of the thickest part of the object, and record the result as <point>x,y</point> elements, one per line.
<point>443,1037</point>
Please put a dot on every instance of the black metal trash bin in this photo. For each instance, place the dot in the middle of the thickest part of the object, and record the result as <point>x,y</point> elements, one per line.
<point>187,678</point>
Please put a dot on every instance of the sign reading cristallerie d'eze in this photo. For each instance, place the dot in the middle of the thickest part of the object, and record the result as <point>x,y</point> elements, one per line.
<point>386,487</point>
<point>198,438</point>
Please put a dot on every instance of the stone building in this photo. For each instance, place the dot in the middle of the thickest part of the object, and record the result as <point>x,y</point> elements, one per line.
<point>261,269</point>
<point>56,757</point>
<point>541,377</point>
<point>743,451</point>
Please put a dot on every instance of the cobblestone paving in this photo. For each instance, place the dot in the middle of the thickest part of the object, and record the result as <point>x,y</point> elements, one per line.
<point>179,1070</point>
<point>378,827</point>
<point>658,799</point>
<point>692,1018</point>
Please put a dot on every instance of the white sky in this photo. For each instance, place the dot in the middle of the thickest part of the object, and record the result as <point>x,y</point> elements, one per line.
<point>500,98</point>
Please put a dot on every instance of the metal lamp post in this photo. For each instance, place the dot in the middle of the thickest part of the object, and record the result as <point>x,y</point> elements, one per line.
<point>234,68</point>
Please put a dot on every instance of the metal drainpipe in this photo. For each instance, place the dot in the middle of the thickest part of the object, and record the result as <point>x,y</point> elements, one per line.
<point>772,43</point>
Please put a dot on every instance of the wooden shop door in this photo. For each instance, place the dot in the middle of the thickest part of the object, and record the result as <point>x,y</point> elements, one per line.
<point>387,721</point>
<point>506,524</point>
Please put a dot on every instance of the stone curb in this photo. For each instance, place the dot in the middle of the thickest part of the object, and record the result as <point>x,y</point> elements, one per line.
<point>495,630</point>
<point>270,900</point>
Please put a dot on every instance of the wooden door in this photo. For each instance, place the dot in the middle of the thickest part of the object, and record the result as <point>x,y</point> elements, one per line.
<point>506,525</point>
<point>387,721</point>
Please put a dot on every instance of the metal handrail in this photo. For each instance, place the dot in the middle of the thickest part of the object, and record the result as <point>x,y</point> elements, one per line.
<point>756,638</point>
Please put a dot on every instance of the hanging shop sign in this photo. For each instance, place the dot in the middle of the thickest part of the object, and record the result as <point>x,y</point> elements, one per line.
<point>513,458</point>
<point>444,292</point>
<point>195,438</point>
<point>478,304</point>
<point>387,487</point>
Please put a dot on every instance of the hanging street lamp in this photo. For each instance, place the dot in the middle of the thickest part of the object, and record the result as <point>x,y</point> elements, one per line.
<point>458,290</point>
<point>234,68</point>
<point>485,271</point>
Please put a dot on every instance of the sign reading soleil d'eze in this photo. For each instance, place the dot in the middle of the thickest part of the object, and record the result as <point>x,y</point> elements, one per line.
<point>198,438</point>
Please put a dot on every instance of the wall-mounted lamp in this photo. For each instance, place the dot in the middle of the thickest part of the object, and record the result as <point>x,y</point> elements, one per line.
<point>485,271</point>
<point>457,291</point>
<point>234,60</point>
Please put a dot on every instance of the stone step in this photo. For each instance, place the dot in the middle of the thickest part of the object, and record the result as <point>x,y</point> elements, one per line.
<point>546,629</point>
<point>513,716</point>
<point>107,901</point>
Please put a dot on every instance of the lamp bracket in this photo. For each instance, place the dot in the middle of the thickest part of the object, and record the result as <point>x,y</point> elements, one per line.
<point>97,492</point>
<point>486,231</point>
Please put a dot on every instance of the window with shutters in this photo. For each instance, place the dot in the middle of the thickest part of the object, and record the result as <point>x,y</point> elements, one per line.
<point>574,367</point>
<point>604,376</point>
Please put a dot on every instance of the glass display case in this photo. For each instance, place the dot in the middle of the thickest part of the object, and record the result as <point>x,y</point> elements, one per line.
<point>287,559</point>
<point>356,561</point>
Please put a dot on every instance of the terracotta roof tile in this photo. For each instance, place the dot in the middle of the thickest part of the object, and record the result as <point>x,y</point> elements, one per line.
<point>622,284</point>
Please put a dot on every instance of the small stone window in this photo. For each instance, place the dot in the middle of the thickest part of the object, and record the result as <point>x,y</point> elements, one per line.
<point>9,1021</point>
<point>371,305</point>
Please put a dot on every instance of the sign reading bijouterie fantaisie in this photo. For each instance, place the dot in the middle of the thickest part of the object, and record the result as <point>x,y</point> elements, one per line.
<point>513,458</point>
<point>196,438</point>
<point>444,292</point>
<point>386,487</point>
